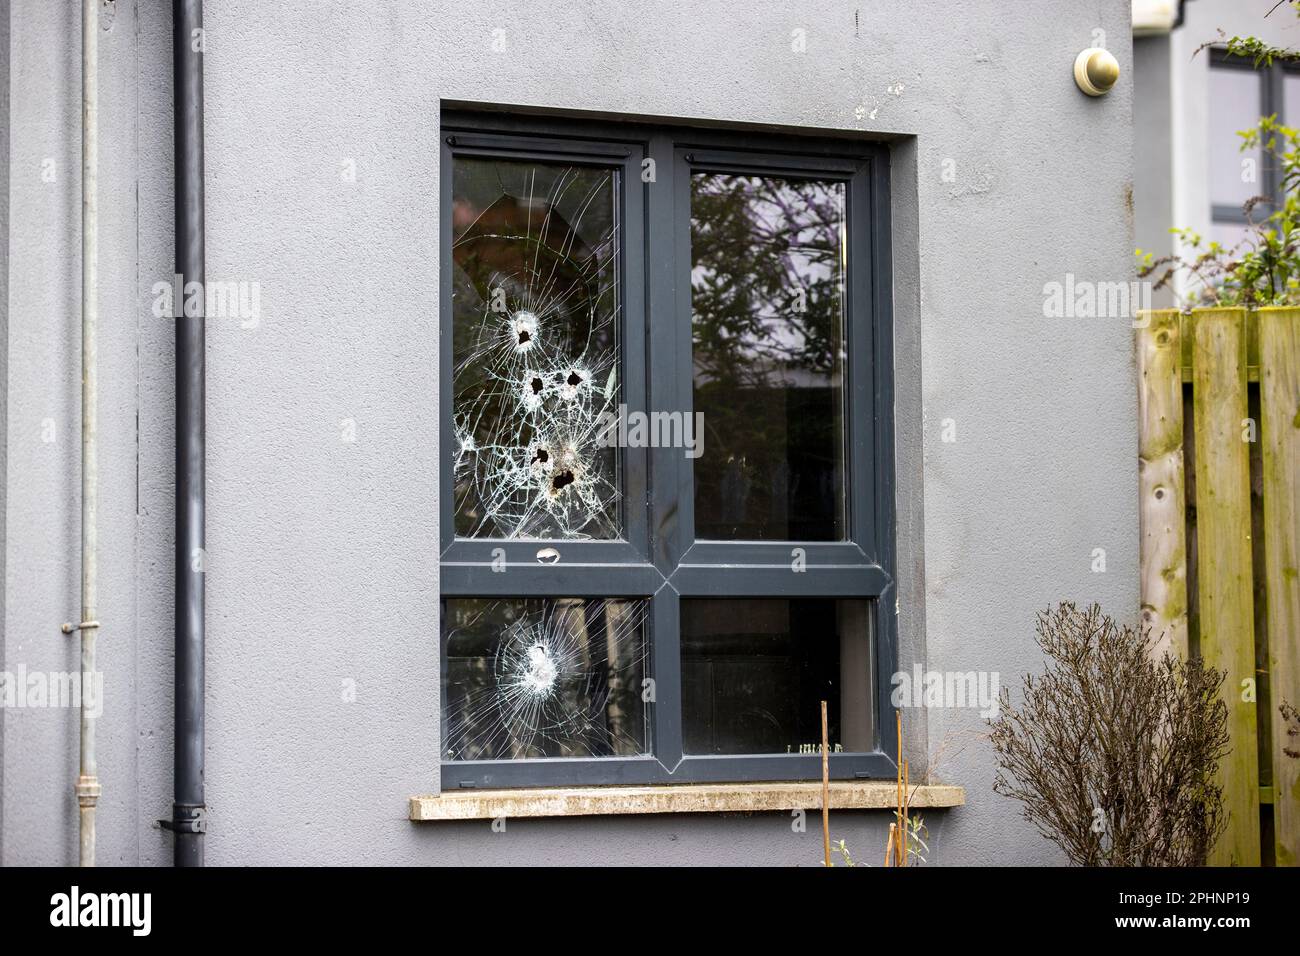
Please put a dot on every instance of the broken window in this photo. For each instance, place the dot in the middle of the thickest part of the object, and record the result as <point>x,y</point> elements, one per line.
<point>543,678</point>
<point>625,602</point>
<point>535,317</point>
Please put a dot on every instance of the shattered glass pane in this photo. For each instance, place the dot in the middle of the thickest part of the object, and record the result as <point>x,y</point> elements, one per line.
<point>755,671</point>
<point>767,296</point>
<point>535,317</point>
<point>544,677</point>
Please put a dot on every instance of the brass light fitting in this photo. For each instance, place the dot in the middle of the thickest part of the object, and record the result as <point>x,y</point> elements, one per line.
<point>1095,70</point>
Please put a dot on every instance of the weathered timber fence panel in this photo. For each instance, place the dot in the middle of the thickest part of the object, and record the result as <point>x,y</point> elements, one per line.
<point>1218,352</point>
<point>1224,579</point>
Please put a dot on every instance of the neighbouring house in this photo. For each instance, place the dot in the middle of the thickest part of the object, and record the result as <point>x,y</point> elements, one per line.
<point>591,392</point>
<point>1190,100</point>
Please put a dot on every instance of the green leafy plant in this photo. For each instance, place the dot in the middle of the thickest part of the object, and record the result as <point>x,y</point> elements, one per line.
<point>1255,49</point>
<point>917,847</point>
<point>842,849</point>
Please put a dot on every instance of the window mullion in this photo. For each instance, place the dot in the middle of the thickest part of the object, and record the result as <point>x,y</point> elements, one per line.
<point>666,675</point>
<point>663,347</point>
<point>1271,103</point>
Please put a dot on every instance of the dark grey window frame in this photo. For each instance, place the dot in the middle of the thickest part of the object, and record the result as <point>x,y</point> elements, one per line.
<point>1272,101</point>
<point>660,560</point>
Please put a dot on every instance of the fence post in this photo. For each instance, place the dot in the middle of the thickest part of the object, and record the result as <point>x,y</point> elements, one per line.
<point>1224,578</point>
<point>1279,394</point>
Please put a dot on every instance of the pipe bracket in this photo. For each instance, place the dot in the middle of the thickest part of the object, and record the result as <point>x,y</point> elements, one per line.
<point>70,628</point>
<point>88,791</point>
<point>186,818</point>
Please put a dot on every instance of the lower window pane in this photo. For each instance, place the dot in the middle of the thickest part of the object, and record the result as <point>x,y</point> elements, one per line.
<point>543,677</point>
<point>754,673</point>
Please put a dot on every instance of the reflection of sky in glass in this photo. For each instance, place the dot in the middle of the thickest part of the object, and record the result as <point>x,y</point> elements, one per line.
<point>1234,106</point>
<point>1291,99</point>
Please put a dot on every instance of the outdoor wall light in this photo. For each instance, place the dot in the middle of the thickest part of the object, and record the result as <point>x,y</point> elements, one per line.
<point>1095,70</point>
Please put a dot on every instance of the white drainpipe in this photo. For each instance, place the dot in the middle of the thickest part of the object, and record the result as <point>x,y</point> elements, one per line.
<point>87,788</point>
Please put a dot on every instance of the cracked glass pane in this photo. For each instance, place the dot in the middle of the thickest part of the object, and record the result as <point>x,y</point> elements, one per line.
<point>755,671</point>
<point>767,297</point>
<point>535,319</point>
<point>544,677</point>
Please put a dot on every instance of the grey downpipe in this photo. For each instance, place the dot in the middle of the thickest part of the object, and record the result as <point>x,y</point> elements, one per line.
<point>188,811</point>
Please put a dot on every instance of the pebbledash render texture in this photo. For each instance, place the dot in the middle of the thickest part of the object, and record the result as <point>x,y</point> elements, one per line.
<point>1013,430</point>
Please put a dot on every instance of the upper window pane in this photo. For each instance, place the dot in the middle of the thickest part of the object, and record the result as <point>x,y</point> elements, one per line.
<point>767,296</point>
<point>535,319</point>
<point>1235,176</point>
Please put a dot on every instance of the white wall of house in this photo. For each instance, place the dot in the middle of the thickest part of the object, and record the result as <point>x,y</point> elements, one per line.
<point>323,553</point>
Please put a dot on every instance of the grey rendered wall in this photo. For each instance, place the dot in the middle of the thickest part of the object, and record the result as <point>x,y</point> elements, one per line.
<point>322,552</point>
<point>42,427</point>
<point>41,477</point>
<point>4,360</point>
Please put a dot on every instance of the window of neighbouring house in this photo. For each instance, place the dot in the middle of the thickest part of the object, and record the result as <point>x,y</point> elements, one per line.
<point>1239,95</point>
<point>667,517</point>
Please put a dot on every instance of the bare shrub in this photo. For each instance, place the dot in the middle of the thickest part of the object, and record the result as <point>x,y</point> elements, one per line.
<point>1112,753</point>
<point>1292,718</point>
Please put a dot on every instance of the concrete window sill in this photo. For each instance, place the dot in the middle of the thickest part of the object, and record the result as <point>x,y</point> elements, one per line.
<point>674,798</point>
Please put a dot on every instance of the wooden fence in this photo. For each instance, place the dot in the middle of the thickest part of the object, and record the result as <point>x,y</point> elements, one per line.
<point>1219,461</point>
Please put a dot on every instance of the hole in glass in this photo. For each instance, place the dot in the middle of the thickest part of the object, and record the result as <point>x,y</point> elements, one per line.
<point>543,677</point>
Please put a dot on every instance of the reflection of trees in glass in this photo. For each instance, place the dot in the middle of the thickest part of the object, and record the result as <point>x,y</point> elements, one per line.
<point>535,304</point>
<point>767,291</point>
<point>766,277</point>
